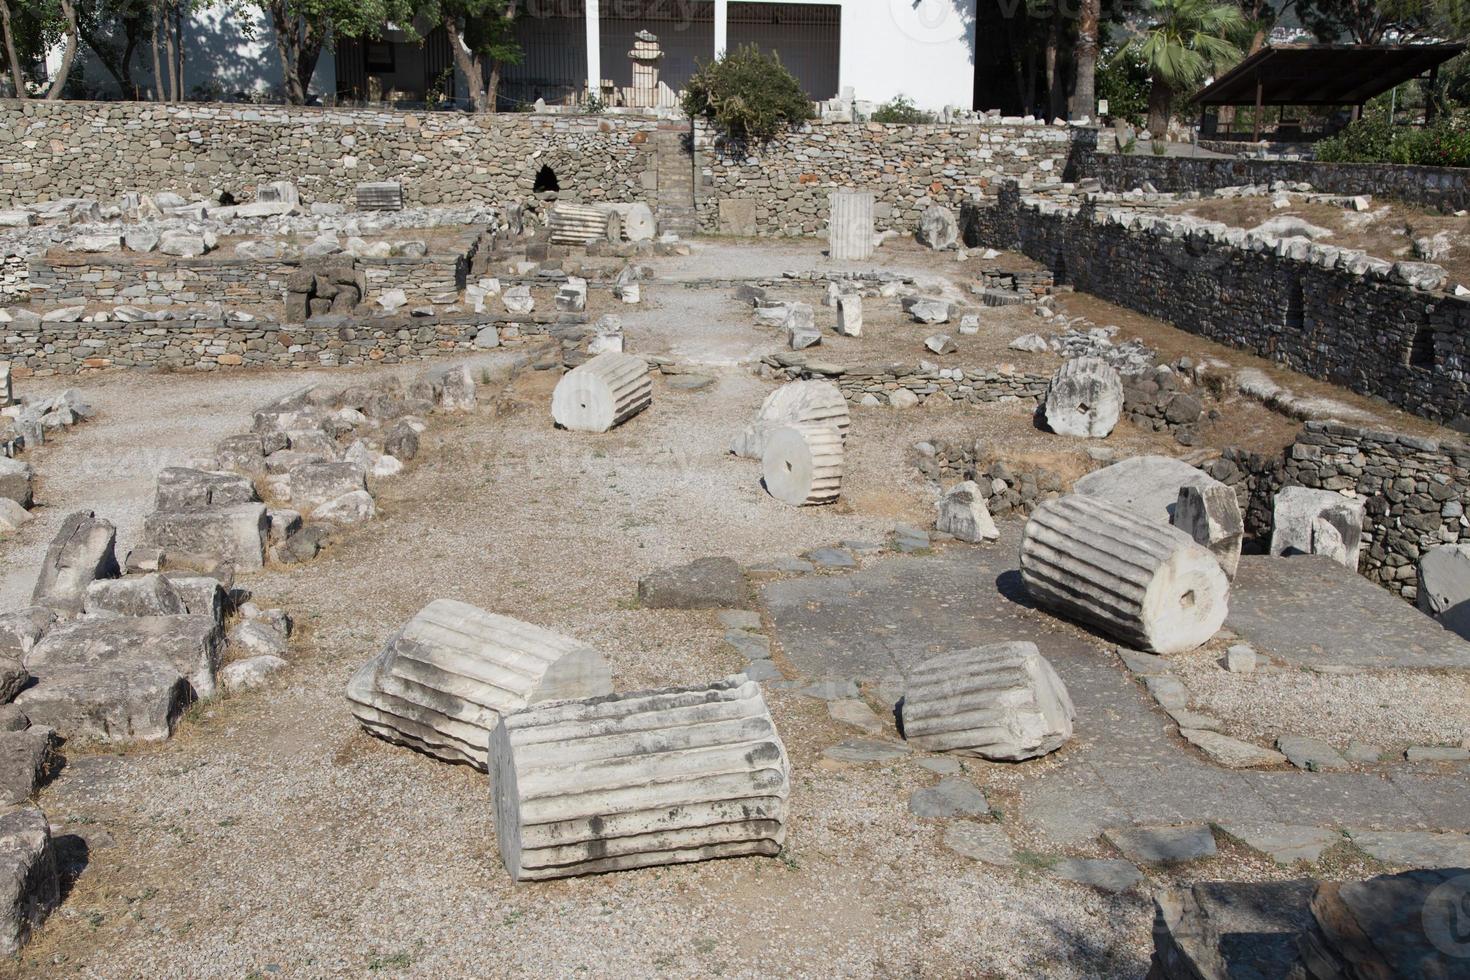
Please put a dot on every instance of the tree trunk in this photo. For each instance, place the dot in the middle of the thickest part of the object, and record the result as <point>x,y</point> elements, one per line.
<point>179,50</point>
<point>468,65</point>
<point>287,49</point>
<point>1053,32</point>
<point>16,75</point>
<point>171,94</point>
<point>1160,104</point>
<point>1084,96</point>
<point>492,89</point>
<point>158,93</point>
<point>69,55</point>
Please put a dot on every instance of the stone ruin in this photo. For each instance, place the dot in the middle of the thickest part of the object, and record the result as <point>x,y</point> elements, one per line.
<point>801,463</point>
<point>329,288</point>
<point>603,393</point>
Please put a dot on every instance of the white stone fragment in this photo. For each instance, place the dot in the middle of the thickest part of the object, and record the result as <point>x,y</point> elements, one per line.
<point>1318,522</point>
<point>1001,702</point>
<point>962,512</point>
<point>602,393</point>
<point>639,780</point>
<point>850,314</point>
<point>1143,583</point>
<point>850,226</point>
<point>802,463</point>
<point>811,401</point>
<point>1444,586</point>
<point>1085,398</point>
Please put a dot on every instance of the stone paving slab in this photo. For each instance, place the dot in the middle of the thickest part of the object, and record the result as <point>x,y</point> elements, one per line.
<point>1126,764</point>
<point>1310,611</point>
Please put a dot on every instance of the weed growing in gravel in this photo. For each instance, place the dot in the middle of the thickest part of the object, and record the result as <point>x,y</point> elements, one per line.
<point>396,961</point>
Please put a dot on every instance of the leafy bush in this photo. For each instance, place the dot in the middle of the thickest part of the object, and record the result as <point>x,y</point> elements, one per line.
<point>1372,140</point>
<point>902,110</point>
<point>1124,83</point>
<point>748,95</point>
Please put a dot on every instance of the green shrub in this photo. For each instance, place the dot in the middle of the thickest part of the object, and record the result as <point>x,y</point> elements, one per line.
<point>748,95</point>
<point>902,110</point>
<point>1372,140</point>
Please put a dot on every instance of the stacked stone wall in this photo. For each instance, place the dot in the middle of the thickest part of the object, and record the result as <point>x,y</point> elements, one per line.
<point>1359,322</point>
<point>1441,188</point>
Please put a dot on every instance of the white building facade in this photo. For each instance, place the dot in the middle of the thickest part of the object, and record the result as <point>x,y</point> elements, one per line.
<point>872,50</point>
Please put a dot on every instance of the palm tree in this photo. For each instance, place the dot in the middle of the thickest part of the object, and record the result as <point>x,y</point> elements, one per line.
<point>1187,42</point>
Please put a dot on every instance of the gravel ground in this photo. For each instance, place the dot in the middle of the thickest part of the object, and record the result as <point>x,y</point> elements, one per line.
<point>1392,709</point>
<point>272,837</point>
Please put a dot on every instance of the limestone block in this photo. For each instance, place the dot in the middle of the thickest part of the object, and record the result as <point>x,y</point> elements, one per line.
<point>144,595</point>
<point>16,479</point>
<point>850,314</point>
<point>572,296</point>
<point>313,484</point>
<point>1145,584</point>
<point>1085,398</point>
<point>443,682</point>
<point>639,780</point>
<point>602,393</point>
<point>184,488</point>
<point>938,228</point>
<point>850,226</point>
<point>1211,516</point>
<point>29,885</point>
<point>963,513</point>
<point>518,300</point>
<point>929,311</point>
<point>235,534</point>
<point>818,402</point>
<point>83,551</point>
<point>1318,522</point>
<point>1001,702</point>
<point>1156,487</point>
<point>189,645</point>
<point>1444,586</point>
<point>802,463</point>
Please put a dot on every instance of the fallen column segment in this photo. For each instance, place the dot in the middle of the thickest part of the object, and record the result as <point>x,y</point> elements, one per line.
<point>1145,584</point>
<point>443,682</point>
<point>639,780</point>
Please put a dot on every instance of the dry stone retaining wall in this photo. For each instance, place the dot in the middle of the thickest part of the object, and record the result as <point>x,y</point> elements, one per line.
<point>781,188</point>
<point>67,348</point>
<point>883,380</point>
<point>1416,490</point>
<point>1445,188</point>
<point>50,150</point>
<point>1323,312</point>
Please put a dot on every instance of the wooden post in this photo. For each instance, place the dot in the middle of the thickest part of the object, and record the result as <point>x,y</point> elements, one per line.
<point>1260,93</point>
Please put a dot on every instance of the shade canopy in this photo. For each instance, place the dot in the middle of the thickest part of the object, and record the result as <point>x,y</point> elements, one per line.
<point>1323,74</point>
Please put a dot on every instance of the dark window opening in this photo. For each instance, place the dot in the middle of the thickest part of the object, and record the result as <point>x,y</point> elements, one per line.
<point>1296,307</point>
<point>1421,351</point>
<point>1059,270</point>
<point>546,181</point>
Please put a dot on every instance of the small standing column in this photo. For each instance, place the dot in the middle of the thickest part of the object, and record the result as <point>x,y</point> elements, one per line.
<point>645,55</point>
<point>722,27</point>
<point>850,226</point>
<point>594,48</point>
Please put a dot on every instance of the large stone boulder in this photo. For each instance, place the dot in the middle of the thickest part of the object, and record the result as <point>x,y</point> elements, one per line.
<point>1002,702</point>
<point>1318,522</point>
<point>29,885</point>
<point>83,551</point>
<point>22,629</point>
<point>27,756</point>
<point>639,780</point>
<point>1085,398</point>
<point>709,583</point>
<point>1444,586</point>
<point>235,534</point>
<point>1170,491</point>
<point>443,682</point>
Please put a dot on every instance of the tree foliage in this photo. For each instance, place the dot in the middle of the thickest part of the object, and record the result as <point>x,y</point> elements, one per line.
<point>1186,42</point>
<point>749,95</point>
